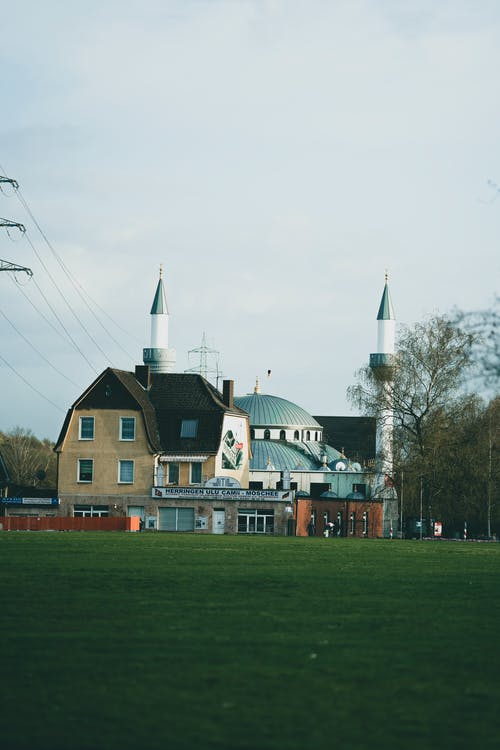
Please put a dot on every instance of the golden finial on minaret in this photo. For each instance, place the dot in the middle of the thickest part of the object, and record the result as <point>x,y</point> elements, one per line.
<point>257,386</point>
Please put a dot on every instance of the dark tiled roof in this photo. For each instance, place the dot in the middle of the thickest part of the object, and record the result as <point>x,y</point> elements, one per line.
<point>177,396</point>
<point>356,435</point>
<point>171,398</point>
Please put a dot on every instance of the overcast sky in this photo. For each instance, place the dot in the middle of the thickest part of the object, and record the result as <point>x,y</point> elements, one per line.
<point>276,156</point>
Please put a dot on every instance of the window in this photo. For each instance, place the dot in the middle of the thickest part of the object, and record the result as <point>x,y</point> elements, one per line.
<point>365,523</point>
<point>352,523</point>
<point>85,469</point>
<point>308,435</point>
<point>189,428</point>
<point>126,472</point>
<point>127,428</point>
<point>91,511</point>
<point>196,473</point>
<point>86,428</point>
<point>252,434</point>
<point>176,519</point>
<point>296,435</point>
<point>173,473</point>
<point>282,435</point>
<point>257,521</point>
<point>267,434</point>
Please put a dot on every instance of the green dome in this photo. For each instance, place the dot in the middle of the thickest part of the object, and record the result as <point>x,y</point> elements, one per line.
<point>272,411</point>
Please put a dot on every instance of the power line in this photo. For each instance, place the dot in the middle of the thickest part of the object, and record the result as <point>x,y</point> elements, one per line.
<point>30,385</point>
<point>67,305</point>
<point>76,285</point>
<point>41,314</point>
<point>37,350</point>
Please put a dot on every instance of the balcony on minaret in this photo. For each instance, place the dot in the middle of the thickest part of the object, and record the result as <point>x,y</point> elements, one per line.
<point>381,360</point>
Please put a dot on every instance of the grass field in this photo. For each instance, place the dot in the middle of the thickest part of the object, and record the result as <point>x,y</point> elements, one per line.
<point>122,641</point>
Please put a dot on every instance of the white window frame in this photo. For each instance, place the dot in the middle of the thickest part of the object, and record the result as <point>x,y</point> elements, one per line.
<point>121,463</point>
<point>90,511</point>
<point>78,471</point>
<point>256,521</point>
<point>80,422</point>
<point>126,439</point>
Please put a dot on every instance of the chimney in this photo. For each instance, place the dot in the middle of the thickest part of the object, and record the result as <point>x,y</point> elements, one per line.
<point>142,374</point>
<point>228,393</point>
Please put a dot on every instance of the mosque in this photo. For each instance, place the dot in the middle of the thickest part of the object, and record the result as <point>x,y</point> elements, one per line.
<point>171,450</point>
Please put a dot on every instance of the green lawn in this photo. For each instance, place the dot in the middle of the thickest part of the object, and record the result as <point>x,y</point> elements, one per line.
<point>168,641</point>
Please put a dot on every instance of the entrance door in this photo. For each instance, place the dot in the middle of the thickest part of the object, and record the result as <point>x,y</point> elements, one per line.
<point>219,521</point>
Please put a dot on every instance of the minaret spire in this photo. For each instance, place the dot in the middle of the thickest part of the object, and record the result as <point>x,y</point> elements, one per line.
<point>382,364</point>
<point>159,357</point>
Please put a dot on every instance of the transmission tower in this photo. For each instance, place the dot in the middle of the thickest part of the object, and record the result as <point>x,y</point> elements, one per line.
<point>208,371</point>
<point>6,265</point>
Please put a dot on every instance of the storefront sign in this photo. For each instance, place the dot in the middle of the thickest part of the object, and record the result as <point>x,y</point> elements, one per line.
<point>29,501</point>
<point>218,493</point>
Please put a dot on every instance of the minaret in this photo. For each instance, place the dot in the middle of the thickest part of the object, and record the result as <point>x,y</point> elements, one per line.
<point>159,357</point>
<point>382,364</point>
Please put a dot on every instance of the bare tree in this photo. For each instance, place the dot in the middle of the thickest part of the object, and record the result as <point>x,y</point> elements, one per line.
<point>30,461</point>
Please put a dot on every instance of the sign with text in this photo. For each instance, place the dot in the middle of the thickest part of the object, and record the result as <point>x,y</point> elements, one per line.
<point>219,493</point>
<point>29,500</point>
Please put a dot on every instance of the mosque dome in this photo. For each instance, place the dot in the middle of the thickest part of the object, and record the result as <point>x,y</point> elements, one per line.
<point>272,453</point>
<point>272,411</point>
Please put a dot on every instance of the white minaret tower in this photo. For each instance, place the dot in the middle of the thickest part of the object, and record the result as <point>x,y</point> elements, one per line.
<point>159,357</point>
<point>382,364</point>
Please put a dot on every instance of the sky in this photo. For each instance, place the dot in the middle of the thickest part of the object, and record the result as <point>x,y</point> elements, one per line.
<point>277,157</point>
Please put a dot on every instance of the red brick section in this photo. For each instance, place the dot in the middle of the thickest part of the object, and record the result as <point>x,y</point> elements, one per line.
<point>304,508</point>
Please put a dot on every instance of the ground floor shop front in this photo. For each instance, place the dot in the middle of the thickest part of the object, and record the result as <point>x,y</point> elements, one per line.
<point>192,509</point>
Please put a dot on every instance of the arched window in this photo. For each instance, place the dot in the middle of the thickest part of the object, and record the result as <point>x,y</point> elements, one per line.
<point>267,434</point>
<point>296,435</point>
<point>308,435</point>
<point>282,435</point>
<point>252,434</point>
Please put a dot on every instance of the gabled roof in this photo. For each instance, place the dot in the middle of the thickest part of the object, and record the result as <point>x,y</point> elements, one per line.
<point>115,389</point>
<point>170,398</point>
